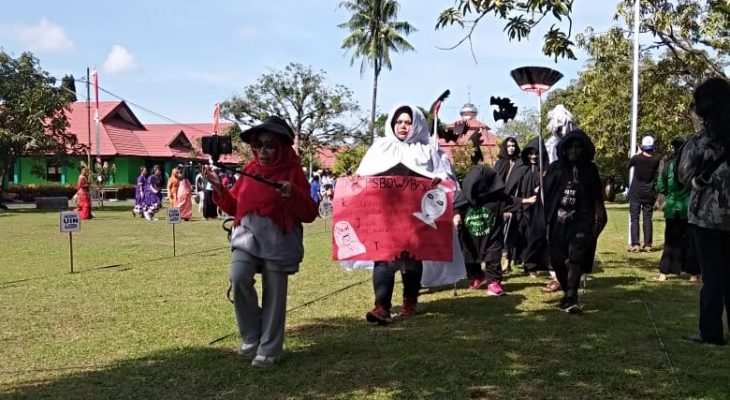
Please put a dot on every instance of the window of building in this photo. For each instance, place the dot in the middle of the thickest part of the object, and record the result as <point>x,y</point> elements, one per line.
<point>54,172</point>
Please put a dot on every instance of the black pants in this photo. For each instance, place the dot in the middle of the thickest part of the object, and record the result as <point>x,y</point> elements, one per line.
<point>646,209</point>
<point>384,281</point>
<point>712,253</point>
<point>568,249</point>
<point>679,254</point>
<point>492,267</point>
<point>210,210</point>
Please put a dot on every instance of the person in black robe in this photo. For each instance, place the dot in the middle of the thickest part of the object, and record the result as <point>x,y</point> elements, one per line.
<point>479,207</point>
<point>574,212</point>
<point>509,167</point>
<point>533,245</point>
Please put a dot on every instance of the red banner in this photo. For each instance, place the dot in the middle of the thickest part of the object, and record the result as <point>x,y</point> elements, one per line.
<point>379,217</point>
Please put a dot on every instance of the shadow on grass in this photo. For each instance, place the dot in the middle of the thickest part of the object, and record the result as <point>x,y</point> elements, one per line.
<point>466,347</point>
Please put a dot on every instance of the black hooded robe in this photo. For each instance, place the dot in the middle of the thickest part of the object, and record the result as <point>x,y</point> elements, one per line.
<point>574,240</point>
<point>483,189</point>
<point>531,230</point>
<point>509,168</point>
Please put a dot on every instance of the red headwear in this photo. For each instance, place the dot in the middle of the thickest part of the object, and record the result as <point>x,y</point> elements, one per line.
<point>261,199</point>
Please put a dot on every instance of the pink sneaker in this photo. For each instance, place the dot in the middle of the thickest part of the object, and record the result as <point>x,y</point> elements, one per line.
<point>495,289</point>
<point>477,283</point>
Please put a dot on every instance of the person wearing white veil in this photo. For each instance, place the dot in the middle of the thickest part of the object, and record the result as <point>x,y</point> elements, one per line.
<point>406,149</point>
<point>560,122</point>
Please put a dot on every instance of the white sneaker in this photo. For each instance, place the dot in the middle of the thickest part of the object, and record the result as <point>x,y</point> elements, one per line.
<point>147,216</point>
<point>263,361</point>
<point>248,350</point>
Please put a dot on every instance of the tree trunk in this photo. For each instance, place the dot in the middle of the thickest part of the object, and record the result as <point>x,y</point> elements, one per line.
<point>372,110</point>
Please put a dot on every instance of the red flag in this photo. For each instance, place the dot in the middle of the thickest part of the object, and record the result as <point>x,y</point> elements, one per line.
<point>95,78</point>
<point>216,117</point>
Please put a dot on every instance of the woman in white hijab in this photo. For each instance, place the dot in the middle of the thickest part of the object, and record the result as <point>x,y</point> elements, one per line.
<point>406,150</point>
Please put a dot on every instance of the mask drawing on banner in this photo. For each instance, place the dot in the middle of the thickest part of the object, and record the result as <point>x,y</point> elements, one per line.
<point>349,187</point>
<point>433,206</point>
<point>348,244</point>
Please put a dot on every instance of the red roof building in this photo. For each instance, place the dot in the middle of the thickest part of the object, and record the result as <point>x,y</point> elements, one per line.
<point>489,141</point>
<point>123,141</point>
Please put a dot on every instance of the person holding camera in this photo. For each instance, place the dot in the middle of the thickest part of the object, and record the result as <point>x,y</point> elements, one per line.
<point>704,163</point>
<point>267,236</point>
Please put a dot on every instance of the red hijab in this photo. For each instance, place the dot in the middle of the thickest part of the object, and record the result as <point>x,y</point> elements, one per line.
<point>261,199</point>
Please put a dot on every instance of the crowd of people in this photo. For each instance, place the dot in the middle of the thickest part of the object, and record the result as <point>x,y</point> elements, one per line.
<point>541,206</point>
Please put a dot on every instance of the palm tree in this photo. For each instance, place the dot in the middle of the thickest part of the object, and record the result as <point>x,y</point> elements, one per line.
<point>374,32</point>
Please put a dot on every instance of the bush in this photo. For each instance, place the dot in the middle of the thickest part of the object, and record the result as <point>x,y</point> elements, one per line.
<point>28,193</point>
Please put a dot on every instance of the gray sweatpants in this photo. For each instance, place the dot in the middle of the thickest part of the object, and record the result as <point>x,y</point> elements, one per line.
<point>264,324</point>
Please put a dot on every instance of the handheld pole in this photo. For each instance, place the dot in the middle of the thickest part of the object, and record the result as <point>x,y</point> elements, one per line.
<point>71,250</point>
<point>173,240</point>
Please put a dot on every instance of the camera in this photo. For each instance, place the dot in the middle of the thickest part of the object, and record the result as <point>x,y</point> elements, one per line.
<point>215,145</point>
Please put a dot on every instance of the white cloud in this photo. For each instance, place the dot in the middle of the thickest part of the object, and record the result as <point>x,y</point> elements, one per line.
<point>45,36</point>
<point>119,61</point>
<point>247,32</point>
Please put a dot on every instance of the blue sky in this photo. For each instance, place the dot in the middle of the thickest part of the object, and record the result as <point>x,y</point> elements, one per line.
<point>180,58</point>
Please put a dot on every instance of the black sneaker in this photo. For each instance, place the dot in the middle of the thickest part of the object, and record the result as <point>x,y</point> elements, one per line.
<point>696,337</point>
<point>570,306</point>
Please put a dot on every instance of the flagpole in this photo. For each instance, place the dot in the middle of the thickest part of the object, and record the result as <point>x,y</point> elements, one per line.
<point>634,96</point>
<point>88,117</point>
<point>96,115</point>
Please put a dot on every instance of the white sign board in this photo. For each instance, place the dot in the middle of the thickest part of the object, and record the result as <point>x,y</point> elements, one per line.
<point>70,221</point>
<point>173,215</point>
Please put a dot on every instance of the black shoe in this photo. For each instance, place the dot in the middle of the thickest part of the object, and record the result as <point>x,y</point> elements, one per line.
<point>570,306</point>
<point>696,337</point>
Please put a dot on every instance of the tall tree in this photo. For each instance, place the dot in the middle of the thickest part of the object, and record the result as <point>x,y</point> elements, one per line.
<point>32,113</point>
<point>694,34</point>
<point>520,16</point>
<point>374,33</point>
<point>315,112</point>
<point>68,83</point>
<point>523,129</point>
<point>600,100</point>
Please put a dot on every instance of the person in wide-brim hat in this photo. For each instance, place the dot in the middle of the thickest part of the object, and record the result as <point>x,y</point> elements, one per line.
<point>266,237</point>
<point>272,124</point>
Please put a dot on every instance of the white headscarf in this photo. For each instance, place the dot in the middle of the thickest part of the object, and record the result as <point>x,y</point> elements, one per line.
<point>419,152</point>
<point>415,152</point>
<point>560,122</point>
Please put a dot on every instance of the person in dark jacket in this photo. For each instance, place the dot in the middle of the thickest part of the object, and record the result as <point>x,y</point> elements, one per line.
<point>678,254</point>
<point>642,194</point>
<point>575,214</point>
<point>479,207</point>
<point>705,165</point>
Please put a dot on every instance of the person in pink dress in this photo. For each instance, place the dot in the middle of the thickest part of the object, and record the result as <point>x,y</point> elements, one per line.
<point>83,200</point>
<point>184,195</point>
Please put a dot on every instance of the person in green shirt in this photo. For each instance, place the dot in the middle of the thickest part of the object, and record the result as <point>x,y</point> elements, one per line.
<point>679,253</point>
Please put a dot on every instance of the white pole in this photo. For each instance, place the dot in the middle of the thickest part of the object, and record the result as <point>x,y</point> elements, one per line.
<point>540,156</point>
<point>635,82</point>
<point>634,95</point>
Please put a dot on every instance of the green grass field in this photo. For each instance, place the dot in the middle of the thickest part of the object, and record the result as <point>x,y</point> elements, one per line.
<point>136,323</point>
